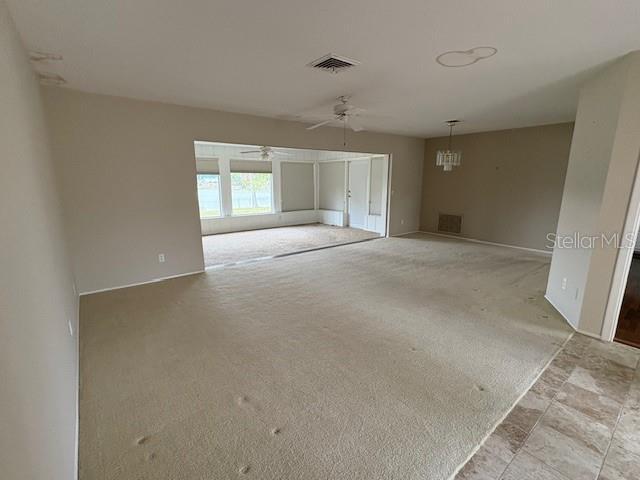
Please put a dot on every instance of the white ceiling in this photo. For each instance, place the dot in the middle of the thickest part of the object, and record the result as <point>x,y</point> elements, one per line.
<point>249,56</point>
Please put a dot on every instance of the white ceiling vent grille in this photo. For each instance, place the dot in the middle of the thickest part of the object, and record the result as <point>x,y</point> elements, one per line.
<point>333,63</point>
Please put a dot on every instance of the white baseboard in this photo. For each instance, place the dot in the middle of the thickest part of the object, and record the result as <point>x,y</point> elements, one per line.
<point>475,240</point>
<point>588,334</point>
<point>559,310</point>
<point>592,335</point>
<point>155,280</point>
<point>332,217</point>
<point>405,233</point>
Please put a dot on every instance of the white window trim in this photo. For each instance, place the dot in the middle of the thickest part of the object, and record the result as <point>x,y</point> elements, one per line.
<point>270,212</point>
<point>226,194</point>
<point>219,196</point>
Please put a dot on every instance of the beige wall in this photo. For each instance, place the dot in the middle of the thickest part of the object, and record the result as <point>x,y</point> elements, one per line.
<point>38,357</point>
<point>509,186</point>
<point>602,170</point>
<point>128,172</point>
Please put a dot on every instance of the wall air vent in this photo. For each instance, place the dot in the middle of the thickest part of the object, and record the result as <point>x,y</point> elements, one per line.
<point>449,223</point>
<point>333,63</point>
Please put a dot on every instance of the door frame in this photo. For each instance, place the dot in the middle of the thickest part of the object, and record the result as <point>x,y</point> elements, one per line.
<point>347,178</point>
<point>623,264</point>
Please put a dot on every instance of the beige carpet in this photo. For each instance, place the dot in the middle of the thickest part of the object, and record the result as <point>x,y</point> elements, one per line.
<point>390,359</point>
<point>234,247</point>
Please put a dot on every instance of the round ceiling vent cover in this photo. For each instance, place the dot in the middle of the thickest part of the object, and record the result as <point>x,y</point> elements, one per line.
<point>464,58</point>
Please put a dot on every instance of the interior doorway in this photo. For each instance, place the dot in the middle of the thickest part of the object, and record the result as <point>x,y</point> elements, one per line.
<point>628,330</point>
<point>624,288</point>
<point>260,201</point>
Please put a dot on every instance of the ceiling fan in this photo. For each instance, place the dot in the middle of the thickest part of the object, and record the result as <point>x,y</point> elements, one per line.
<point>266,153</point>
<point>343,112</point>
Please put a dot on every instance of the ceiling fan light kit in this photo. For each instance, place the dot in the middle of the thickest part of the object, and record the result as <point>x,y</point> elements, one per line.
<point>343,112</point>
<point>266,153</point>
<point>449,158</point>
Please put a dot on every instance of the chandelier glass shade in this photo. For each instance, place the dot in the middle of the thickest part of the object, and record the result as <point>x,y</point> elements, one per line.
<point>449,158</point>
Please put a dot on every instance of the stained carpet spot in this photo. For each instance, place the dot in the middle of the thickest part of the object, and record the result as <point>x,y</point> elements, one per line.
<point>275,431</point>
<point>151,456</point>
<point>244,470</point>
<point>480,388</point>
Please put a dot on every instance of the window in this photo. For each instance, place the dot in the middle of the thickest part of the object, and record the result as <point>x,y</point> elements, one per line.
<point>251,193</point>
<point>209,195</point>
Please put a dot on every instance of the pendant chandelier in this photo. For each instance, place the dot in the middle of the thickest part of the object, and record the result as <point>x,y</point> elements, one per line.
<point>447,159</point>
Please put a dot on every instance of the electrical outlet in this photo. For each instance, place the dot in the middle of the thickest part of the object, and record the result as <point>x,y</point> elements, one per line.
<point>161,258</point>
<point>564,283</point>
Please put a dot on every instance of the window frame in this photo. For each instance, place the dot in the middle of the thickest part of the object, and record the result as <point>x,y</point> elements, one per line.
<point>221,212</point>
<point>271,210</point>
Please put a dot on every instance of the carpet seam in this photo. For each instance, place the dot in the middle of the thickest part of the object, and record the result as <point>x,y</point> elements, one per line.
<point>287,254</point>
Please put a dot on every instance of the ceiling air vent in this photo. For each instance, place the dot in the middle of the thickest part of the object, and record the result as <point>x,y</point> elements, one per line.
<point>333,63</point>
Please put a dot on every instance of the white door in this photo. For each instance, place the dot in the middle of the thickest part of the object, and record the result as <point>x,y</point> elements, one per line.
<point>358,175</point>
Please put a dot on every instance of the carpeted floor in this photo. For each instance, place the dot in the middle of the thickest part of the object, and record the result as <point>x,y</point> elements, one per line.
<point>226,248</point>
<point>390,359</point>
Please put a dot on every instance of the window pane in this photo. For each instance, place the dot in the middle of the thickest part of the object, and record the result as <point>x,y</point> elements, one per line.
<point>209,195</point>
<point>250,193</point>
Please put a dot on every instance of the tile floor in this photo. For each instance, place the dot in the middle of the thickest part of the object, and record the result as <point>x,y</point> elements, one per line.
<point>579,421</point>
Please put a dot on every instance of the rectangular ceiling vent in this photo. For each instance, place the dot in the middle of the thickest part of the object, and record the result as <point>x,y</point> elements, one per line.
<point>333,63</point>
<point>450,223</point>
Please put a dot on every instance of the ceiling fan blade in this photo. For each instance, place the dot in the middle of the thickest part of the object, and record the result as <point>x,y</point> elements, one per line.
<point>312,127</point>
<point>355,125</point>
